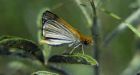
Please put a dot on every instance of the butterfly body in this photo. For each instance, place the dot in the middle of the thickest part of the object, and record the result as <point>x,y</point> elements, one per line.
<point>57,32</point>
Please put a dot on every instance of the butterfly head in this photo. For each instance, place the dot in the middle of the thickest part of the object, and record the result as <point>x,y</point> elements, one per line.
<point>87,40</point>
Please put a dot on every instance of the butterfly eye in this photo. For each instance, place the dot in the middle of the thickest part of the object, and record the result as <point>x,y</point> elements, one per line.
<point>85,42</point>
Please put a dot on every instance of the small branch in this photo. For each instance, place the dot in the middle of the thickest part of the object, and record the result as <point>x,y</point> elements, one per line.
<point>95,33</point>
<point>133,19</point>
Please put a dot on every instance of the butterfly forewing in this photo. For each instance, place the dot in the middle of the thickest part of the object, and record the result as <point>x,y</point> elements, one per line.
<point>54,26</point>
<point>55,33</point>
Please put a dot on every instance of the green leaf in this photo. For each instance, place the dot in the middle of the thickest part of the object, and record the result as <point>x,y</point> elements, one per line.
<point>44,73</point>
<point>127,23</point>
<point>110,13</point>
<point>133,29</point>
<point>45,48</point>
<point>6,37</point>
<point>21,47</point>
<point>74,59</point>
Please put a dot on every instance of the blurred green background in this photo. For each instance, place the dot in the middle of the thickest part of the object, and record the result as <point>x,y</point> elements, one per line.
<point>121,57</point>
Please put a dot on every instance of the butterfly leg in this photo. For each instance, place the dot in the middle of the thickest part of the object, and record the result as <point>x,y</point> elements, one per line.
<point>74,48</point>
<point>67,51</point>
<point>83,50</point>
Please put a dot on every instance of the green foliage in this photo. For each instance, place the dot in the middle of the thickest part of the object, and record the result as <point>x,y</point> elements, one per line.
<point>130,26</point>
<point>20,46</point>
<point>74,59</point>
<point>44,73</point>
<point>19,17</point>
<point>133,29</point>
<point>46,49</point>
<point>15,46</point>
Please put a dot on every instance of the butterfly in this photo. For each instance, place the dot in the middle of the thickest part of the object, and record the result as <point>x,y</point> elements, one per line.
<point>57,31</point>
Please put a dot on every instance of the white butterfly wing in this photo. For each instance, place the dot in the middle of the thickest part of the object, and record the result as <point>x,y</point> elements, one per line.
<point>56,33</point>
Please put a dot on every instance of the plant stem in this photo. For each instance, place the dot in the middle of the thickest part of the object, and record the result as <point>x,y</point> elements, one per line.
<point>95,33</point>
